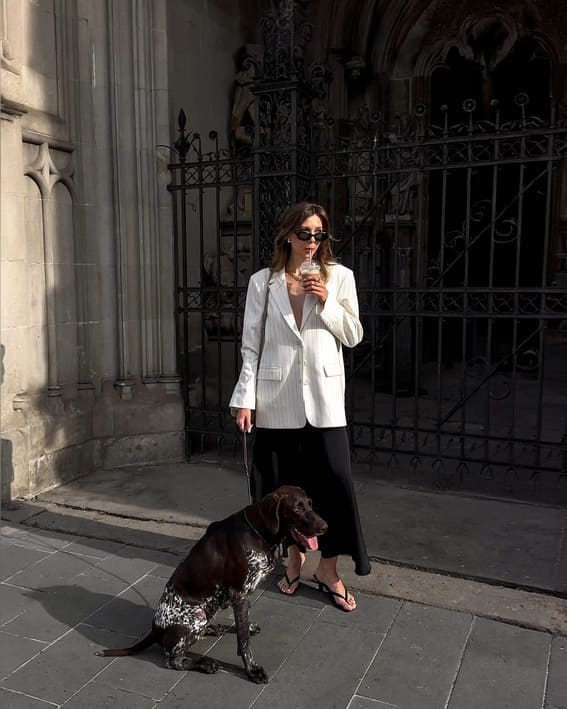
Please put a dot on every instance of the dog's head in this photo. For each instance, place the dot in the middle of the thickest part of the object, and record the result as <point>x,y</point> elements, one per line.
<point>288,512</point>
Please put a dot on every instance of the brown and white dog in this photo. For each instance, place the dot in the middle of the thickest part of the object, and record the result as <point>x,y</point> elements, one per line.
<point>222,569</point>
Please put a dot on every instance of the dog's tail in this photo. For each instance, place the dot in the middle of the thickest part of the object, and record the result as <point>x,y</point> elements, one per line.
<point>149,640</point>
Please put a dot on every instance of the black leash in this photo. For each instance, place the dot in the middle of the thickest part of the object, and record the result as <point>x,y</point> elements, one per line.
<point>246,470</point>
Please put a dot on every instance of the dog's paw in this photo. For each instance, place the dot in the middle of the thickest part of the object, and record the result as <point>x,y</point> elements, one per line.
<point>208,666</point>
<point>254,628</point>
<point>258,675</point>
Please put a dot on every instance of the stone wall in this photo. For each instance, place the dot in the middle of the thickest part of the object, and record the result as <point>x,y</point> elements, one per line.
<point>88,354</point>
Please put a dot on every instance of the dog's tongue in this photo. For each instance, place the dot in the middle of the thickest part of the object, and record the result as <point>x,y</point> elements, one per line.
<point>310,543</point>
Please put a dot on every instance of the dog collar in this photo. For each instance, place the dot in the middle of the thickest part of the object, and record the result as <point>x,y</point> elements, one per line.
<point>253,528</point>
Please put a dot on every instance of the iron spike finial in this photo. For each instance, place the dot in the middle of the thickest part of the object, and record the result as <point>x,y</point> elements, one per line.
<point>182,143</point>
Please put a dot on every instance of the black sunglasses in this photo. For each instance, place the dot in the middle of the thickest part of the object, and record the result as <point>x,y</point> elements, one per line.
<point>305,235</point>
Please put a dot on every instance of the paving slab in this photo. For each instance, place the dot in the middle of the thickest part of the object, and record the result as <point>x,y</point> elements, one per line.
<point>288,622</point>
<point>503,666</point>
<point>16,558</point>
<point>56,568</point>
<point>373,614</point>
<point>16,700</point>
<point>48,675</point>
<point>52,541</point>
<point>126,569</point>
<point>15,650</point>
<point>165,570</point>
<point>324,670</point>
<point>556,696</point>
<point>145,675</point>
<point>47,614</point>
<point>364,703</point>
<point>132,611</point>
<point>99,580</point>
<point>97,695</point>
<point>416,664</point>
<point>12,603</point>
<point>517,543</point>
<point>225,689</point>
<point>93,550</point>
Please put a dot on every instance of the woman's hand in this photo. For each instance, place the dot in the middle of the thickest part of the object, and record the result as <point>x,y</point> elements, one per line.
<point>315,286</point>
<point>244,420</point>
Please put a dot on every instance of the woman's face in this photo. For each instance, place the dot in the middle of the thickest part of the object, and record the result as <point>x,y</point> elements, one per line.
<point>305,250</point>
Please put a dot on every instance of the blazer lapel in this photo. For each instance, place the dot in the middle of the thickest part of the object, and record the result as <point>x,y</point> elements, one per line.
<point>308,304</point>
<point>278,293</point>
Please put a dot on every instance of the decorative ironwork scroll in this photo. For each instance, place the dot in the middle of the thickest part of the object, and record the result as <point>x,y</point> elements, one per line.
<point>284,110</point>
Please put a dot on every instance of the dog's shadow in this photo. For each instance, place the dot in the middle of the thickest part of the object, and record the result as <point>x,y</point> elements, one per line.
<point>98,615</point>
<point>91,613</point>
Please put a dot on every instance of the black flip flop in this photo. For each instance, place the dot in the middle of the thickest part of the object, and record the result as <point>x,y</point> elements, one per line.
<point>332,594</point>
<point>290,584</point>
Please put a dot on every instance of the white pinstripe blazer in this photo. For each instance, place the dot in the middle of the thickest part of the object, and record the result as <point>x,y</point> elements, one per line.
<point>301,374</point>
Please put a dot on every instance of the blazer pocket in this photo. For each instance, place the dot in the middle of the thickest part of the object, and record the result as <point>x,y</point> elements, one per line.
<point>332,369</point>
<point>271,373</point>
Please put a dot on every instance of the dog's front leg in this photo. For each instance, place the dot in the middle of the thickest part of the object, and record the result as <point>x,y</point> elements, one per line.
<point>241,606</point>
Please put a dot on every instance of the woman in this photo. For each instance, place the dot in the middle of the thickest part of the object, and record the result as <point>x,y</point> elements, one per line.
<point>295,393</point>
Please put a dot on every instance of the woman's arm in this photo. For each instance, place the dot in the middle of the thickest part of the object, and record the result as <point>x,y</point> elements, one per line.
<point>244,395</point>
<point>340,311</point>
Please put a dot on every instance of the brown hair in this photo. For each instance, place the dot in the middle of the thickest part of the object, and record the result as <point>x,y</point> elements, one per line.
<point>292,218</point>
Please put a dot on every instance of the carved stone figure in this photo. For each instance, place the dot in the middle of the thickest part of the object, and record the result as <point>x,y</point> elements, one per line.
<point>489,39</point>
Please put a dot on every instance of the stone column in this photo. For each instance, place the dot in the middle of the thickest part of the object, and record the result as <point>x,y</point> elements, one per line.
<point>133,74</point>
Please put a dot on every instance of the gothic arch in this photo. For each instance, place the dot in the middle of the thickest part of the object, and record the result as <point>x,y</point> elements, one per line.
<point>351,24</point>
<point>406,40</point>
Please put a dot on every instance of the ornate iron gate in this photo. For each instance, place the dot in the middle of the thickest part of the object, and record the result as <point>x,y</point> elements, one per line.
<point>452,231</point>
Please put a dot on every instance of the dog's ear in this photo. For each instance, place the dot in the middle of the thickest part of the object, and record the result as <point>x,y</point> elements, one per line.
<point>269,508</point>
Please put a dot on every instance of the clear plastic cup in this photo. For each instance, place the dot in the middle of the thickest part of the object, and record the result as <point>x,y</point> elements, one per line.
<point>309,268</point>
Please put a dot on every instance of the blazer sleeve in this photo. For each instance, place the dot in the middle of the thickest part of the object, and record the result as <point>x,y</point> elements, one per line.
<point>340,311</point>
<point>244,394</point>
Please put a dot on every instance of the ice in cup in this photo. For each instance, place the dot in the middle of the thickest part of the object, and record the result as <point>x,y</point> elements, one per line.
<point>309,268</point>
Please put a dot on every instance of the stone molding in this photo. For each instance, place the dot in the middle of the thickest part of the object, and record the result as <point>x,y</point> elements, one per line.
<point>143,267</point>
<point>45,171</point>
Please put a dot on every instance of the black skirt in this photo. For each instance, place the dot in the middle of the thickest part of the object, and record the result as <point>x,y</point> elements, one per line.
<point>318,460</point>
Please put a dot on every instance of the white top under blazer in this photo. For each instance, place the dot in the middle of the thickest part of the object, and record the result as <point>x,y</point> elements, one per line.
<point>301,376</point>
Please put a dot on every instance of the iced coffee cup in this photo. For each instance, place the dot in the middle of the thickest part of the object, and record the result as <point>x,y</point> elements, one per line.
<point>309,268</point>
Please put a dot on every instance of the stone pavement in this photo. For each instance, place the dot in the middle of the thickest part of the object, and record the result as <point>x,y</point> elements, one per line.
<point>63,597</point>
<point>83,566</point>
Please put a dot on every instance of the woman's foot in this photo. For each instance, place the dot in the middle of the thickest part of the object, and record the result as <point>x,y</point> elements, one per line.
<point>338,594</point>
<point>289,584</point>
<point>327,576</point>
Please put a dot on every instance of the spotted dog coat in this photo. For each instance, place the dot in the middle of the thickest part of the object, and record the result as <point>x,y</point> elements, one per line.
<point>223,568</point>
